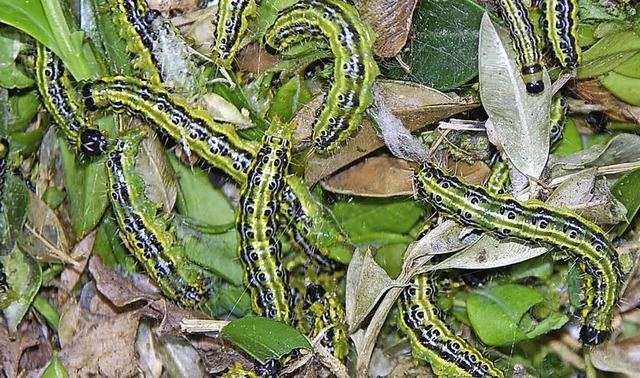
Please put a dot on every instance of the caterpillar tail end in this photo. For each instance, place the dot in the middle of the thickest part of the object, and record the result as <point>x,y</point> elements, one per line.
<point>591,336</point>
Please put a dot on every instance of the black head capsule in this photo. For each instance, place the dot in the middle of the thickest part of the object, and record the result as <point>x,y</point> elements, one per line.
<point>93,142</point>
<point>592,336</point>
<point>533,78</point>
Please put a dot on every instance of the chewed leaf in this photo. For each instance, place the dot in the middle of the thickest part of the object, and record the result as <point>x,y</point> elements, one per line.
<point>264,339</point>
<point>520,120</point>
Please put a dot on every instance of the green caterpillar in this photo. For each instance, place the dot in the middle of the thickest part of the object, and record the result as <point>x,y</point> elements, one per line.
<point>258,244</point>
<point>560,20</point>
<point>215,142</point>
<point>148,235</point>
<point>4,155</point>
<point>351,43</point>
<point>324,309</point>
<point>559,109</point>
<point>134,19</point>
<point>525,42</point>
<point>231,26</point>
<point>504,216</point>
<point>432,340</point>
<point>58,97</point>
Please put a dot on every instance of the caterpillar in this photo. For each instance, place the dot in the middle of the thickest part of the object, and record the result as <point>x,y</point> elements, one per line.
<point>559,109</point>
<point>355,70</point>
<point>314,229</point>
<point>432,340</point>
<point>526,43</point>
<point>560,21</point>
<point>258,244</point>
<point>217,143</point>
<point>148,235</point>
<point>58,97</point>
<point>499,178</point>
<point>231,26</point>
<point>133,19</point>
<point>325,309</point>
<point>4,155</point>
<point>503,216</point>
<point>4,286</point>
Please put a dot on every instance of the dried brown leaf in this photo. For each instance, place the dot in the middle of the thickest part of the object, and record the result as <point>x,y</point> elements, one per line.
<point>81,253</point>
<point>381,176</point>
<point>103,346</point>
<point>390,20</point>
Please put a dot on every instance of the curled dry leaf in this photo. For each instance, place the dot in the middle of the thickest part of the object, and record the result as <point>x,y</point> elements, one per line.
<point>622,357</point>
<point>588,197</point>
<point>152,166</point>
<point>119,290</point>
<point>367,282</point>
<point>415,105</point>
<point>103,346</point>
<point>81,252</point>
<point>593,92</point>
<point>390,20</point>
<point>380,176</point>
<point>44,234</point>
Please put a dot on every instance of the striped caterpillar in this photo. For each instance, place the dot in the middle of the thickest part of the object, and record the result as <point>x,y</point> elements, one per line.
<point>231,26</point>
<point>148,235</point>
<point>258,244</point>
<point>526,43</point>
<point>133,18</point>
<point>217,143</point>
<point>160,53</point>
<point>560,21</point>
<point>351,43</point>
<point>503,216</point>
<point>4,286</point>
<point>325,309</point>
<point>432,340</point>
<point>4,155</point>
<point>58,97</point>
<point>559,109</point>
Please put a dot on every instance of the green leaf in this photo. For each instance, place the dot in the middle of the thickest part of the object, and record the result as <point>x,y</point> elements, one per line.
<point>264,339</point>
<point>571,140</point>
<point>15,199</point>
<point>625,88</point>
<point>609,53</point>
<point>87,188</point>
<point>24,277</point>
<point>498,314</point>
<point>199,200</point>
<point>288,99</point>
<point>11,43</point>
<point>45,21</point>
<point>625,190</point>
<point>49,312</point>
<point>55,369</point>
<point>444,50</point>
<point>23,109</point>
<point>110,248</point>
<point>365,218</point>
